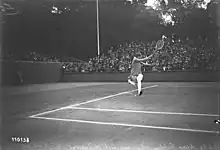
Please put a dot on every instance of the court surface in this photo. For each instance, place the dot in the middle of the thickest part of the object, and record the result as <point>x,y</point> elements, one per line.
<point>69,116</point>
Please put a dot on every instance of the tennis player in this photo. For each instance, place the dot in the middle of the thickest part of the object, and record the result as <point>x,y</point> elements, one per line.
<point>136,75</point>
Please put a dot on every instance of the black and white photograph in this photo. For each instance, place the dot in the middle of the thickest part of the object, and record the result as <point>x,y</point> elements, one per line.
<point>110,74</point>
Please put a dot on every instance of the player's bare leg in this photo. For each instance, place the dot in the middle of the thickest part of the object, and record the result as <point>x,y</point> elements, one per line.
<point>131,82</point>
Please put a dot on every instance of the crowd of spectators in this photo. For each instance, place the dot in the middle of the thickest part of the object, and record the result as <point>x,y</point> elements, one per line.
<point>175,55</point>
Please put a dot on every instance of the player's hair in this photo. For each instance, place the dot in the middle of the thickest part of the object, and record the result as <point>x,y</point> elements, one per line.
<point>138,54</point>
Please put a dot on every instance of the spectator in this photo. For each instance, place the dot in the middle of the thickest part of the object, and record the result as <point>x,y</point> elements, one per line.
<point>175,55</point>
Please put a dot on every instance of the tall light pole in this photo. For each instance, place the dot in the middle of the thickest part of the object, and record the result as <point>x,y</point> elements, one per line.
<point>218,25</point>
<point>1,40</point>
<point>97,27</point>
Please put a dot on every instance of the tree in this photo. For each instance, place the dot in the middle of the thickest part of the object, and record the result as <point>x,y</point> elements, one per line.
<point>187,19</point>
<point>7,10</point>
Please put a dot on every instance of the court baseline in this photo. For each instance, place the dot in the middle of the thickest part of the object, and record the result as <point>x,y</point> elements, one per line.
<point>126,125</point>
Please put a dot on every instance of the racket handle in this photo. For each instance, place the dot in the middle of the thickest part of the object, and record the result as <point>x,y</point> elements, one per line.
<point>154,51</point>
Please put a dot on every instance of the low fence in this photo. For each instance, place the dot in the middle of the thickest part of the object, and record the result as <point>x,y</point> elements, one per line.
<point>42,72</point>
<point>31,72</point>
<point>182,76</point>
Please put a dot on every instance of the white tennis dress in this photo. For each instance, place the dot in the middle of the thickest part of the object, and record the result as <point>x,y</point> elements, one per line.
<point>136,70</point>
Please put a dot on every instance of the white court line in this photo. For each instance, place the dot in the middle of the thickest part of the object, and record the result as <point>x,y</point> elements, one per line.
<point>127,125</point>
<point>90,101</point>
<point>188,86</point>
<point>110,96</point>
<point>145,112</point>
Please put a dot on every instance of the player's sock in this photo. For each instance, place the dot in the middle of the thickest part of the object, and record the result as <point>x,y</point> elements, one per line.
<point>139,88</point>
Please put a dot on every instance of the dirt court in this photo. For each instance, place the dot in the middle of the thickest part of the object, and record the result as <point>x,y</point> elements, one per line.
<point>83,116</point>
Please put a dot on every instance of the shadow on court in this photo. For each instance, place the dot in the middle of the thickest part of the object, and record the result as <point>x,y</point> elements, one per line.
<point>171,114</point>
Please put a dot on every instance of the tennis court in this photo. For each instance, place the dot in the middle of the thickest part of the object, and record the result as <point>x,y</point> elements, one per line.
<point>109,116</point>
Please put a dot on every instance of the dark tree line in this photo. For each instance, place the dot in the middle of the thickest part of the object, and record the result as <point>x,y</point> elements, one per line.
<point>74,32</point>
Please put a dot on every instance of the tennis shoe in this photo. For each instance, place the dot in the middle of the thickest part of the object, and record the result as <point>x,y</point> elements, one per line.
<point>139,93</point>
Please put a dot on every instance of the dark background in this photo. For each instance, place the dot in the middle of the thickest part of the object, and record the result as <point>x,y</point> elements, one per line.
<point>74,32</point>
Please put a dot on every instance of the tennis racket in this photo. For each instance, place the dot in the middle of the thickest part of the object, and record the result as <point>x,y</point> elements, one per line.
<point>159,46</point>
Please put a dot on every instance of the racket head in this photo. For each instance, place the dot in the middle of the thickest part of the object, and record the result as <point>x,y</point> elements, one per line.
<point>159,44</point>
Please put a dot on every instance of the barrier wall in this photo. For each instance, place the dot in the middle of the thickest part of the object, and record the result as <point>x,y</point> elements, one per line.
<point>33,72</point>
<point>41,72</point>
<point>148,77</point>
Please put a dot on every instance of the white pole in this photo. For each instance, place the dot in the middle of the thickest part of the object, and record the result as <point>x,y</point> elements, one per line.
<point>97,26</point>
<point>218,41</point>
<point>1,41</point>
